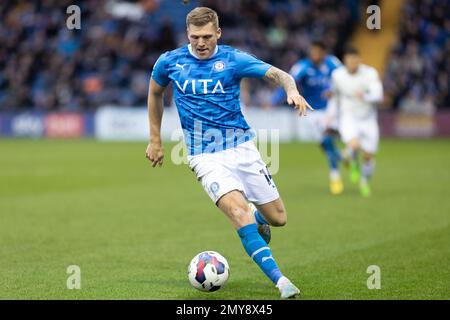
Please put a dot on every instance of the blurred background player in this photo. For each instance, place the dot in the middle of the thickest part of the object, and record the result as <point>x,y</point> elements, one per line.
<point>313,77</point>
<point>356,90</point>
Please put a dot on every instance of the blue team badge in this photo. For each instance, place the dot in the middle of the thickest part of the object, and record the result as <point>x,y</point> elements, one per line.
<point>214,187</point>
<point>219,66</point>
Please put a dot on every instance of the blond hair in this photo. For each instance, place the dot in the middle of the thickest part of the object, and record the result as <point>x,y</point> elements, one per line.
<point>201,16</point>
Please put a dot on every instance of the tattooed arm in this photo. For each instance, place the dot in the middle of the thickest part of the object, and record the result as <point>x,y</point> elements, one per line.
<point>287,82</point>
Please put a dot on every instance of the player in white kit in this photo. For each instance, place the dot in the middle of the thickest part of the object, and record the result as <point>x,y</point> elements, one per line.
<point>357,90</point>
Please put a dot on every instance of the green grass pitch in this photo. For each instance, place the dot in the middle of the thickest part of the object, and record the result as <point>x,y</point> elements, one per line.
<point>133,229</point>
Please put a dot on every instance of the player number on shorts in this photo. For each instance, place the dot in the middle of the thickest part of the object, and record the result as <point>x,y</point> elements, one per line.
<point>266,173</point>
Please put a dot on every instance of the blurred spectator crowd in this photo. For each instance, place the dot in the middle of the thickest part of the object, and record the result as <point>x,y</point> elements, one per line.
<point>45,66</point>
<point>417,74</point>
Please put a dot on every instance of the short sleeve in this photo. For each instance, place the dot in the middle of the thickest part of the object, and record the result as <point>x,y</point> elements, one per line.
<point>334,62</point>
<point>159,73</point>
<point>373,75</point>
<point>248,66</point>
<point>298,71</point>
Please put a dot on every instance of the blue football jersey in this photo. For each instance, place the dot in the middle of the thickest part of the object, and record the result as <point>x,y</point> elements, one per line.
<point>314,80</point>
<point>206,93</point>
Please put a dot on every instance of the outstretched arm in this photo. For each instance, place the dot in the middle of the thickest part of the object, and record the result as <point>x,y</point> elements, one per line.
<point>287,82</point>
<point>155,152</point>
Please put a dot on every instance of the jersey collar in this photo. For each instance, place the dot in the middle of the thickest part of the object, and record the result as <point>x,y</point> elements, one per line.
<point>193,54</point>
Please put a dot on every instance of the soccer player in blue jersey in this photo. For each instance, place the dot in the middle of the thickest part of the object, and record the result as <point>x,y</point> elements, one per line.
<point>313,76</point>
<point>206,79</point>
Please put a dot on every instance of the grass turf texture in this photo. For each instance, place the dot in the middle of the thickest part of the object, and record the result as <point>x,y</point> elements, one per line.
<point>133,229</point>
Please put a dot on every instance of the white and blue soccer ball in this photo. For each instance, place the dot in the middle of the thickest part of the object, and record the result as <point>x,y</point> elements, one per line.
<point>208,271</point>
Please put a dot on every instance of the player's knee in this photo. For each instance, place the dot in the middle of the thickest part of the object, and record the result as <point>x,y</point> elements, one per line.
<point>240,214</point>
<point>280,221</point>
<point>354,144</point>
<point>367,156</point>
<point>280,218</point>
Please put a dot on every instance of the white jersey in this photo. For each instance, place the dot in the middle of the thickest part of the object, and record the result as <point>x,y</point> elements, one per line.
<point>354,105</point>
<point>346,86</point>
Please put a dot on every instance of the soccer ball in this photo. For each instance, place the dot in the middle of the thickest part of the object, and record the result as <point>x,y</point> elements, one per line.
<point>208,271</point>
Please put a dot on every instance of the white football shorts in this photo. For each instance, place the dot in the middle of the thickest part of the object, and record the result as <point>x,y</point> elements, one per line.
<point>365,130</point>
<point>240,168</point>
<point>315,124</point>
<point>319,118</point>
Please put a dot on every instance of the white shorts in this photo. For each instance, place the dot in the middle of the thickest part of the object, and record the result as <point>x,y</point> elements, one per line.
<point>240,168</point>
<point>365,130</point>
<point>317,124</point>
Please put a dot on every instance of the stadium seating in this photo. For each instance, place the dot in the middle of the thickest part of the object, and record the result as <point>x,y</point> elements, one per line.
<point>418,68</point>
<point>44,66</point>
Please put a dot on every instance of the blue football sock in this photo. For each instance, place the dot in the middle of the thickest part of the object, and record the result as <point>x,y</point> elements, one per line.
<point>333,155</point>
<point>258,250</point>
<point>260,218</point>
<point>337,152</point>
